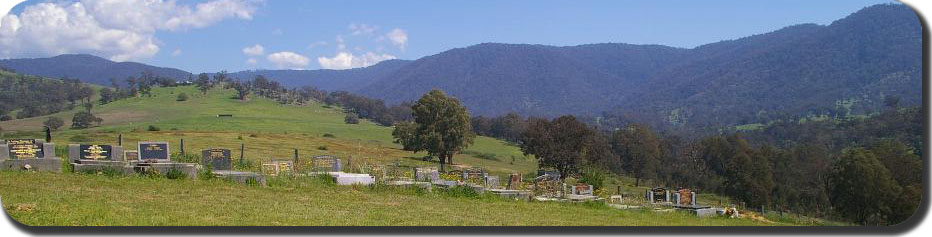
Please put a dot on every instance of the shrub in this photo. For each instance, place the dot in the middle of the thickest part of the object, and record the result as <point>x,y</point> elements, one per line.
<point>153,128</point>
<point>329,135</point>
<point>182,97</point>
<point>322,148</point>
<point>593,176</point>
<point>207,173</point>
<point>351,118</point>
<point>460,191</point>
<point>152,173</point>
<point>252,182</point>
<point>84,119</point>
<point>175,174</point>
<point>243,164</point>
<point>186,158</point>
<point>53,123</point>
<point>253,135</point>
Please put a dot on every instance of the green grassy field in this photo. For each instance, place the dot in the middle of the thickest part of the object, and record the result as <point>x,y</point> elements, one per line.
<point>41,199</point>
<point>269,131</point>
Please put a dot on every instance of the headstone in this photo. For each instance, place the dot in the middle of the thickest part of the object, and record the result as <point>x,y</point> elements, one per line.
<point>659,195</point>
<point>154,152</point>
<point>275,168</point>
<point>426,174</point>
<point>217,159</point>
<point>95,152</point>
<point>492,182</point>
<point>474,175</point>
<point>131,155</point>
<point>686,197</point>
<point>551,174</point>
<point>582,189</point>
<point>326,163</point>
<point>25,149</point>
<point>514,181</point>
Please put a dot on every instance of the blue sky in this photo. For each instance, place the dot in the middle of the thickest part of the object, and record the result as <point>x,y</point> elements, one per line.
<point>213,35</point>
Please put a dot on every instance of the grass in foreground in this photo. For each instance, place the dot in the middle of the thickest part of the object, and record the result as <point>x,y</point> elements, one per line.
<point>42,199</point>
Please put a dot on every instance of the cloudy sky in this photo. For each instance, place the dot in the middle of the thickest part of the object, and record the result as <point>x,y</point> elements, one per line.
<point>213,35</point>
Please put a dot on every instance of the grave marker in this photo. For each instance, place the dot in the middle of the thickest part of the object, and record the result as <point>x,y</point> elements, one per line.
<point>275,168</point>
<point>130,155</point>
<point>25,149</point>
<point>154,152</point>
<point>514,181</point>
<point>217,159</point>
<point>326,163</point>
<point>581,189</point>
<point>492,182</point>
<point>95,152</point>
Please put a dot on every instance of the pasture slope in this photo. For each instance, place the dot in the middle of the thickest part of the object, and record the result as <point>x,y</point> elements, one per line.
<point>271,130</point>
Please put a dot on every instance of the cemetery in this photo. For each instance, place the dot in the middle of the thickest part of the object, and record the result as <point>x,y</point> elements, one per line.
<point>155,157</point>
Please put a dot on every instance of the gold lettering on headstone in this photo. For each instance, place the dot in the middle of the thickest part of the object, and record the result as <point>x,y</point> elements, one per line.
<point>23,148</point>
<point>284,167</point>
<point>153,147</point>
<point>95,152</point>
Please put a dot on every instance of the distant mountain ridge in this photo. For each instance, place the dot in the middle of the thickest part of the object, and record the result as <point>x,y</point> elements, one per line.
<point>854,63</point>
<point>326,79</point>
<point>88,68</point>
<point>803,69</point>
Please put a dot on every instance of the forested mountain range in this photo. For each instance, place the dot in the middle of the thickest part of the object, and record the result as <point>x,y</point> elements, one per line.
<point>88,68</point>
<point>850,66</point>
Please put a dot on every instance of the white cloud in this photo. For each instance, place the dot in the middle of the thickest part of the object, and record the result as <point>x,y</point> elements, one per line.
<point>176,53</point>
<point>398,37</point>
<point>120,30</point>
<point>361,29</point>
<point>288,60</point>
<point>255,50</point>
<point>251,61</point>
<point>346,60</point>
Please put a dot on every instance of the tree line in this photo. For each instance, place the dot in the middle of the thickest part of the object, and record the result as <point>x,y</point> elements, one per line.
<point>23,96</point>
<point>819,168</point>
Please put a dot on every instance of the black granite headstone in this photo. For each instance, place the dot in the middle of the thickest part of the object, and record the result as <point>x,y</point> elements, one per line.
<point>95,152</point>
<point>25,148</point>
<point>217,159</point>
<point>154,151</point>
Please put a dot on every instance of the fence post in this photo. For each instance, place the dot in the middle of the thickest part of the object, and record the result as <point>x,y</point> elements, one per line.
<point>242,148</point>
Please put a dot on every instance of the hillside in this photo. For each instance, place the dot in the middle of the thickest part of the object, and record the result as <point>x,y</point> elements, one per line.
<point>268,129</point>
<point>540,80</point>
<point>797,70</point>
<point>88,68</point>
